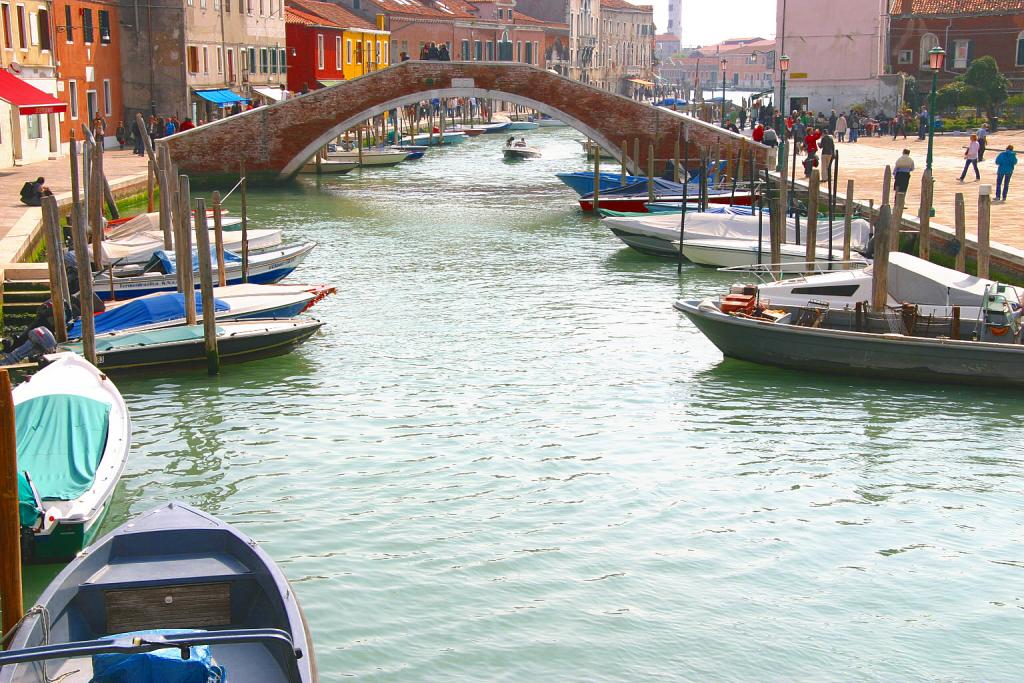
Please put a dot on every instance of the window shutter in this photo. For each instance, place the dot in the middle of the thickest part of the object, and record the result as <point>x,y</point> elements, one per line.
<point>970,52</point>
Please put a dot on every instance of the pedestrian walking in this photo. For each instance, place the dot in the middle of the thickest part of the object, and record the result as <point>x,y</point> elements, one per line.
<point>971,157</point>
<point>1005,161</point>
<point>832,121</point>
<point>828,150</point>
<point>922,123</point>
<point>743,118</point>
<point>982,141</point>
<point>811,141</point>
<point>902,169</point>
<point>841,127</point>
<point>433,53</point>
<point>855,125</point>
<point>139,146</point>
<point>121,134</point>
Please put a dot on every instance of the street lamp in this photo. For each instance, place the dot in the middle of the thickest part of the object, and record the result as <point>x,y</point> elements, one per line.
<point>783,68</point>
<point>936,58</point>
<point>725,64</point>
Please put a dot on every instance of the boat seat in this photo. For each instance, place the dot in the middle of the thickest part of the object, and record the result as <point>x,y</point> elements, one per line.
<point>156,570</point>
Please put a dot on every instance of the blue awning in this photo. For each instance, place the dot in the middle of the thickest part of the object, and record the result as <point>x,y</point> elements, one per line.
<point>221,96</point>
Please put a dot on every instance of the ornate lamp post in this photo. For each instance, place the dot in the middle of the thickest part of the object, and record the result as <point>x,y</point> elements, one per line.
<point>783,68</point>
<point>936,58</point>
<point>724,64</point>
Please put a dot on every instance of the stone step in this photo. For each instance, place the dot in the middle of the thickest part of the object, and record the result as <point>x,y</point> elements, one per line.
<point>25,271</point>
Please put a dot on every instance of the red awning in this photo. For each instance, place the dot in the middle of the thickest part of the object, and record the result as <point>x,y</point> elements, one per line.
<point>27,98</point>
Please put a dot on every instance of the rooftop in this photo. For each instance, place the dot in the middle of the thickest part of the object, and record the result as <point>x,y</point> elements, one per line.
<point>333,15</point>
<point>955,7</point>
<point>623,5</point>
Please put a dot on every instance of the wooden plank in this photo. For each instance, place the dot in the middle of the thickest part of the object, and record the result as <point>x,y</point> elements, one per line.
<point>202,605</point>
<point>811,237</point>
<point>10,525</point>
<point>984,229</point>
<point>961,232</point>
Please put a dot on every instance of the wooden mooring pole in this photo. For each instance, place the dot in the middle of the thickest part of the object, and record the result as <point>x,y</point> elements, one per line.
<point>650,173</point>
<point>243,187</point>
<point>924,233</point>
<point>150,178</point>
<point>848,220</point>
<point>206,289</point>
<point>880,264</point>
<point>682,216</point>
<point>813,194</point>
<point>55,262</point>
<point>984,225</point>
<point>184,239</point>
<point>625,163</point>
<point>899,203</point>
<point>10,525</point>
<point>218,238</point>
<point>960,213</point>
<point>597,177</point>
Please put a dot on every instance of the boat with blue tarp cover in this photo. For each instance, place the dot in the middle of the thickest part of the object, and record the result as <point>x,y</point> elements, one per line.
<point>264,268</point>
<point>634,197</point>
<point>173,596</point>
<point>183,345</point>
<point>582,182</point>
<point>73,434</point>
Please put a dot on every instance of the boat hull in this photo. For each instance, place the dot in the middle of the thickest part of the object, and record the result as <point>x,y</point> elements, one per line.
<point>721,253</point>
<point>583,182</point>
<point>639,204</point>
<point>521,125</point>
<point>520,154</point>
<point>858,353</point>
<point>648,244</point>
<point>328,167</point>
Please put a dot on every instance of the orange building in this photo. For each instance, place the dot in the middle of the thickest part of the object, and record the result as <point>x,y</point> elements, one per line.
<point>86,42</point>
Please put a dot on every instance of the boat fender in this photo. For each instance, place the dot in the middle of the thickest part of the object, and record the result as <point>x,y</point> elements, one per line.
<point>999,330</point>
<point>708,306</point>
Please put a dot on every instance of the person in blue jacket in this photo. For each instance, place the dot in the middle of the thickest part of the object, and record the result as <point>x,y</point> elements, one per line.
<point>1005,161</point>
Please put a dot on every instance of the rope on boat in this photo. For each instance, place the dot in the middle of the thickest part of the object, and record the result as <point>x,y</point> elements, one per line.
<point>225,197</point>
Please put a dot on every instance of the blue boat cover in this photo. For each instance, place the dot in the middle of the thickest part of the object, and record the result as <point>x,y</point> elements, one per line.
<point>60,440</point>
<point>145,311</point>
<point>167,260</point>
<point>158,666</point>
<point>662,188</point>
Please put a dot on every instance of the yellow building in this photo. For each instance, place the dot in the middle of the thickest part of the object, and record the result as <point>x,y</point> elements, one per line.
<point>327,44</point>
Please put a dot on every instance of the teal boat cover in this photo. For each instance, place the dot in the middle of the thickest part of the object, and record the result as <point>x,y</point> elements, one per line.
<point>60,439</point>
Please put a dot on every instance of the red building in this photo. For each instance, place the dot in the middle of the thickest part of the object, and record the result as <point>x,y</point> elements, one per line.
<point>86,40</point>
<point>327,43</point>
<point>965,29</point>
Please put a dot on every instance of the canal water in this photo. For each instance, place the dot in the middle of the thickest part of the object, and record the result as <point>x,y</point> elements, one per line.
<point>506,457</point>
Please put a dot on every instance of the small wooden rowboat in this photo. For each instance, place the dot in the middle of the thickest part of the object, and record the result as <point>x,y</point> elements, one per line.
<point>173,595</point>
<point>73,434</point>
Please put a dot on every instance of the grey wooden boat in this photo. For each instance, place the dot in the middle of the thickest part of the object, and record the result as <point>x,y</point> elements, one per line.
<point>834,345</point>
<point>172,588</point>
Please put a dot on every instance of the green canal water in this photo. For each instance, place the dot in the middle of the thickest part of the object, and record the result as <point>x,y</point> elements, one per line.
<point>506,457</point>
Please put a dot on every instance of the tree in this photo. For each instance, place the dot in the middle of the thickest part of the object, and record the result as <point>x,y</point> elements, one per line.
<point>990,86</point>
<point>911,97</point>
<point>956,94</point>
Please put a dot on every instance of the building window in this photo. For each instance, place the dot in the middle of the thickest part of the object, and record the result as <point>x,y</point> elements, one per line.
<point>206,59</point>
<point>519,50</point>
<point>1020,49</point>
<point>369,51</point>
<point>22,34</point>
<point>73,98</point>
<point>231,65</point>
<point>529,53</point>
<point>202,4</point>
<point>490,50</point>
<point>536,52</point>
<point>104,27</point>
<point>465,50</point>
<point>283,62</point>
<point>905,57</point>
<point>273,60</point>
<point>263,8</point>
<point>8,36</point>
<point>348,51</point>
<point>192,58</point>
<point>359,52</point>
<point>220,60</point>
<point>928,42</point>
<point>87,25</point>
<point>387,55</point>
<point>43,21</point>
<point>961,54</point>
<point>264,61</point>
<point>501,14</point>
<point>377,52</point>
<point>69,29</point>
<point>252,60</point>
<point>34,129</point>
<point>320,51</point>
<point>478,51</point>
<point>337,53</point>
<point>405,46</point>
<point>509,13</point>
<point>108,105</point>
<point>33,28</point>
<point>248,7</point>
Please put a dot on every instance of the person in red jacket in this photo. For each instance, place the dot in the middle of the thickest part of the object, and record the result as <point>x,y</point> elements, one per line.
<point>186,125</point>
<point>758,133</point>
<point>811,140</point>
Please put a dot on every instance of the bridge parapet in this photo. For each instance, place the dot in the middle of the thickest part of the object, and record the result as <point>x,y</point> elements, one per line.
<point>275,141</point>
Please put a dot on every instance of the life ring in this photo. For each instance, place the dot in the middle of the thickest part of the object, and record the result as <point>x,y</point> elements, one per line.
<point>1000,330</point>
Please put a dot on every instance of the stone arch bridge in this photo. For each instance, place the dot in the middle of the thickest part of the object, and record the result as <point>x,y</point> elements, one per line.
<point>275,141</point>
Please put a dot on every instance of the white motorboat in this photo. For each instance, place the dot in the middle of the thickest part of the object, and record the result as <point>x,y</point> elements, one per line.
<point>933,288</point>
<point>548,122</point>
<point>518,149</point>
<point>73,434</point>
<point>328,167</point>
<point>139,248</point>
<point>387,156</point>
<point>122,228</point>
<point>724,253</point>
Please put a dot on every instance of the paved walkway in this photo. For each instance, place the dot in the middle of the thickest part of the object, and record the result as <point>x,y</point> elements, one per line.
<point>866,160</point>
<point>17,221</point>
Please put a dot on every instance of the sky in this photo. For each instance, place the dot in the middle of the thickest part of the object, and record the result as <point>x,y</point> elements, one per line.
<point>706,22</point>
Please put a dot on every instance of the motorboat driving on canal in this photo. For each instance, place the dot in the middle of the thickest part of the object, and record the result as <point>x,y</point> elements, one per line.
<point>172,595</point>
<point>73,434</point>
<point>516,148</point>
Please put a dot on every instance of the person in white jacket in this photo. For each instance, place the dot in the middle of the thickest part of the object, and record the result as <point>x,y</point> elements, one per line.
<point>971,156</point>
<point>901,172</point>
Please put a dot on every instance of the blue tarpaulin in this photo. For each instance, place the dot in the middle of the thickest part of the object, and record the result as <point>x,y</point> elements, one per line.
<point>145,311</point>
<point>221,96</point>
<point>669,101</point>
<point>158,666</point>
<point>167,260</point>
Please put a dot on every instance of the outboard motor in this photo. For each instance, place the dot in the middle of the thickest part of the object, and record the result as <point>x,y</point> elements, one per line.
<point>1002,322</point>
<point>38,342</point>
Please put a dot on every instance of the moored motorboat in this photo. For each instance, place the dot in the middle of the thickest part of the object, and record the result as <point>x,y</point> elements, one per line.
<point>119,228</point>
<point>73,436</point>
<point>172,595</point>
<point>183,345</point>
<point>582,182</point>
<point>725,253</point>
<point>494,127</point>
<point>430,139</point>
<point>139,248</point>
<point>635,197</point>
<point>264,268</point>
<point>887,345</point>
<point>369,157</point>
<point>328,167</point>
<point>521,125</point>
<point>548,122</point>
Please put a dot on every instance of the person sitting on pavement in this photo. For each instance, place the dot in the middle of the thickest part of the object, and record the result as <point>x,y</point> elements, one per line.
<point>32,193</point>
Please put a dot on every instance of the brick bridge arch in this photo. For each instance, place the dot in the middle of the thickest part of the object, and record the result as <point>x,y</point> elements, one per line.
<point>274,141</point>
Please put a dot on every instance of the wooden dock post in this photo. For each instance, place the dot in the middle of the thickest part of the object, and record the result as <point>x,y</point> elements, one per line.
<point>243,189</point>
<point>166,198</point>
<point>682,216</point>
<point>886,184</point>
<point>95,181</point>
<point>55,261</point>
<point>880,264</point>
<point>206,287</point>
<point>597,179</point>
<point>813,195</point>
<point>924,233</point>
<point>961,231</point>
<point>625,162</point>
<point>780,225</point>
<point>848,220</point>
<point>218,238</point>
<point>899,203</point>
<point>776,218</point>
<point>636,154</point>
<point>675,163</point>
<point>79,239</point>
<point>10,524</point>
<point>359,143</point>
<point>650,173</point>
<point>984,225</point>
<point>150,177</point>
<point>184,240</point>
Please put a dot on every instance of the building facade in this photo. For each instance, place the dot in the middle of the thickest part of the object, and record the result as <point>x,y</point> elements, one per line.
<point>837,59</point>
<point>675,19</point>
<point>627,47</point>
<point>666,45</point>
<point>749,66</point>
<point>87,37</point>
<point>327,44</point>
<point>202,59</point>
<point>984,27</point>
<point>28,133</point>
